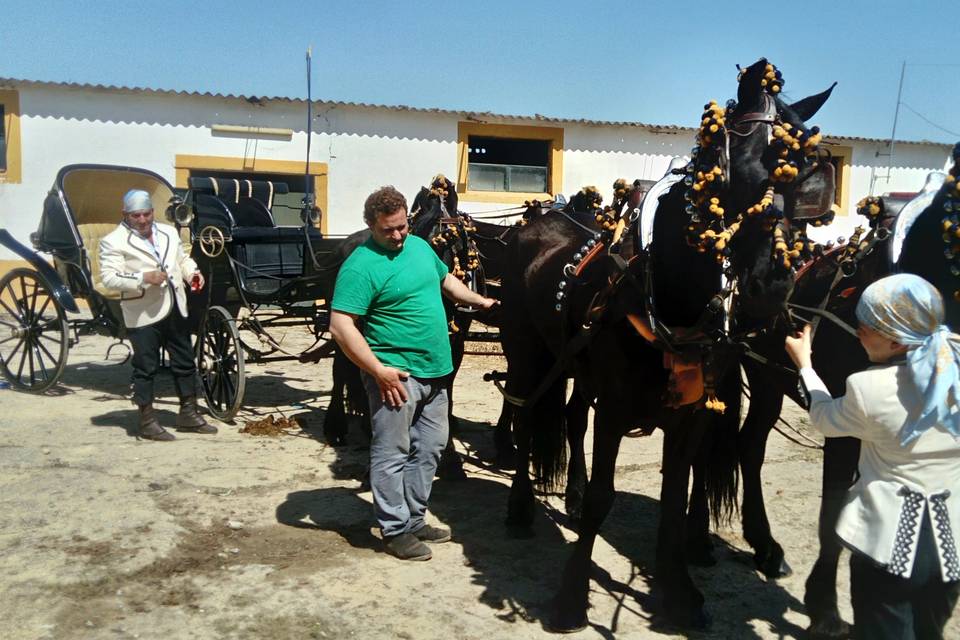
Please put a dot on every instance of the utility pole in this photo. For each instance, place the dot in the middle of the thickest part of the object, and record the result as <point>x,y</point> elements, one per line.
<point>896,114</point>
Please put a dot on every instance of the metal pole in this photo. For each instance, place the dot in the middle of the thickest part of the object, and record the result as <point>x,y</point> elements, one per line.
<point>309,189</point>
<point>896,114</point>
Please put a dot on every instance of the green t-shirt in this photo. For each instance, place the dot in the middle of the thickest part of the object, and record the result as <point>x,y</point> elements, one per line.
<point>398,295</point>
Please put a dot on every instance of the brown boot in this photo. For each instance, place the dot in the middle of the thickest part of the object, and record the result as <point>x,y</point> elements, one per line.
<point>189,419</point>
<point>150,429</point>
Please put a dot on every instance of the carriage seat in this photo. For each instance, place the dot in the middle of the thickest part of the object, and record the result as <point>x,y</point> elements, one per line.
<point>230,190</point>
<point>90,235</point>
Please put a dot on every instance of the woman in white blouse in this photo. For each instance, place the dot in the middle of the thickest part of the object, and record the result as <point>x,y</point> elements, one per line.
<point>901,519</point>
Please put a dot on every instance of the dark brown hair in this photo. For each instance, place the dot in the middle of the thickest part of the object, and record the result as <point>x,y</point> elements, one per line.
<point>384,200</point>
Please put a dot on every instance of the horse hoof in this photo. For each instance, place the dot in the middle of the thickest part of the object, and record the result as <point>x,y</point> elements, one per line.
<point>567,621</point>
<point>831,628</point>
<point>774,571</point>
<point>772,565</point>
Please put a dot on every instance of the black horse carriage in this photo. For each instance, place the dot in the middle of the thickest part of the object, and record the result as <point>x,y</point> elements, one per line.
<point>259,275</point>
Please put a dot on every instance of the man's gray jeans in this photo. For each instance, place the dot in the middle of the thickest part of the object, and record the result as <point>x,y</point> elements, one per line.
<point>406,447</point>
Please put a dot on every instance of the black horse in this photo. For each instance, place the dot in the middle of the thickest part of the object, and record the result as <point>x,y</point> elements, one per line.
<point>833,281</point>
<point>635,301</point>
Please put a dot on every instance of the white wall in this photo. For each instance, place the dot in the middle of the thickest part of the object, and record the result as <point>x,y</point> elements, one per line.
<point>364,147</point>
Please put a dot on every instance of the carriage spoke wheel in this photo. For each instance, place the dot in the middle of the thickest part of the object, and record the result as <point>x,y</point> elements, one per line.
<point>220,363</point>
<point>34,332</point>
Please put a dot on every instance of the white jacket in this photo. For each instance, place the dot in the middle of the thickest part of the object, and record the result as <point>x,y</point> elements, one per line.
<point>885,507</point>
<point>125,257</point>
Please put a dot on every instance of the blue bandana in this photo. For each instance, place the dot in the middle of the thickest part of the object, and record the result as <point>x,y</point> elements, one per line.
<point>908,309</point>
<point>136,200</point>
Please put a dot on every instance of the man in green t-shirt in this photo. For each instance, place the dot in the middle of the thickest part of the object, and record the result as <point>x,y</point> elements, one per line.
<point>393,283</point>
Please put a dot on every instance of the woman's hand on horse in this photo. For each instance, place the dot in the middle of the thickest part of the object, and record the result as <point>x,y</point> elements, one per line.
<point>799,348</point>
<point>393,393</point>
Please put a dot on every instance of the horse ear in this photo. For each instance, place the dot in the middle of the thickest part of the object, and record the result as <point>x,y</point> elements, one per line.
<point>749,90</point>
<point>806,108</point>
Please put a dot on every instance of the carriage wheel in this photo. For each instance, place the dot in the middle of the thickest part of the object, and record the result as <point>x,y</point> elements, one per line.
<point>34,332</point>
<point>220,363</point>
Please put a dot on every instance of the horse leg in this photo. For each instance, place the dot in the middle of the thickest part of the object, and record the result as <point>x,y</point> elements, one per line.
<point>699,549</point>
<point>570,605</point>
<point>503,439</point>
<point>840,456</point>
<point>576,416</point>
<point>450,466</point>
<point>520,503</point>
<point>537,427</point>
<point>335,421</point>
<point>682,601</point>
<point>766,402</point>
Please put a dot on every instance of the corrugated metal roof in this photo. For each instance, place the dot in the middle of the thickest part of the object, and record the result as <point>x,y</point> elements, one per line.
<point>473,115</point>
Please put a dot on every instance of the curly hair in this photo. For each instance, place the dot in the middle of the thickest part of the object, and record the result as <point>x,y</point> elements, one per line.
<point>384,200</point>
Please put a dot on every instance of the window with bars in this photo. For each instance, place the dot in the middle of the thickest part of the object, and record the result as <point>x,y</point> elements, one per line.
<point>507,164</point>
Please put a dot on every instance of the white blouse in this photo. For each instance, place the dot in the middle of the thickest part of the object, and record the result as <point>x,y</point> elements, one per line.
<point>884,509</point>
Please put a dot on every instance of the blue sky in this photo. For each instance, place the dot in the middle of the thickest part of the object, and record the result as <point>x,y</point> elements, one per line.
<point>638,61</point>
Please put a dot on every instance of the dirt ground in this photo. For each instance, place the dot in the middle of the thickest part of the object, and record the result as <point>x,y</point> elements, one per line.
<point>237,536</point>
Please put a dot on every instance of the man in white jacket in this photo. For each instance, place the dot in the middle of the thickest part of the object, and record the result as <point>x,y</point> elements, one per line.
<point>145,261</point>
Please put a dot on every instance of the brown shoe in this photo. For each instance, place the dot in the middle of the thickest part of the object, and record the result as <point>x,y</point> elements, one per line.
<point>150,429</point>
<point>406,547</point>
<point>189,419</point>
<point>428,533</point>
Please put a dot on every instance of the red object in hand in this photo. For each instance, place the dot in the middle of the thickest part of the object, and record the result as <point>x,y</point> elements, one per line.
<point>195,282</point>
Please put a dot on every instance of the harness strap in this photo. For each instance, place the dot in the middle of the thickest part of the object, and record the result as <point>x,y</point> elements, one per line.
<point>587,259</point>
<point>573,347</point>
<point>832,317</point>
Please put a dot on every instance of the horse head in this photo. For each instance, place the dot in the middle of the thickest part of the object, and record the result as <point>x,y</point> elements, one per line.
<point>435,218</point>
<point>587,200</point>
<point>755,160</point>
<point>432,203</point>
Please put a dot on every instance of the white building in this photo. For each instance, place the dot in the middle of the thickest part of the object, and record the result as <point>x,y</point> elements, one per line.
<point>497,161</point>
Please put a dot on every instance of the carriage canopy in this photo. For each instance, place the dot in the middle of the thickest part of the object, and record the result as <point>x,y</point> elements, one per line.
<point>86,194</point>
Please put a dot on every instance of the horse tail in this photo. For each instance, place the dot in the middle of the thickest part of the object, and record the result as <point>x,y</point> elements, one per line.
<point>548,437</point>
<point>722,473</point>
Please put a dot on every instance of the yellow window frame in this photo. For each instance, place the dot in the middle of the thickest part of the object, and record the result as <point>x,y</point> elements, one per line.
<point>553,135</point>
<point>843,154</point>
<point>184,164</point>
<point>10,99</point>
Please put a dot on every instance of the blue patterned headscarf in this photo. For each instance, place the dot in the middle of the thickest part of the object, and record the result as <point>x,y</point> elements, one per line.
<point>908,309</point>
